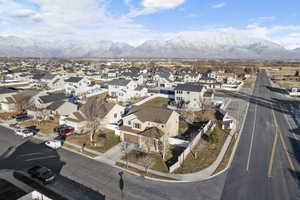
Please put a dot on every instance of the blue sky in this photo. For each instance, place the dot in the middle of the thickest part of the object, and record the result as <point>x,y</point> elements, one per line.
<point>135,21</point>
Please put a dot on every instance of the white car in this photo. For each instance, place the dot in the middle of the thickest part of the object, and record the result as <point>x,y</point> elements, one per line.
<point>24,132</point>
<point>54,144</point>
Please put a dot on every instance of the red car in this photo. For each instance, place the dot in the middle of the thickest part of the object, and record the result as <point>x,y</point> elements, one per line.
<point>64,130</point>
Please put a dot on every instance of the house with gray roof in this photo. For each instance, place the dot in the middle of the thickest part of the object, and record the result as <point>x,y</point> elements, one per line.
<point>147,125</point>
<point>189,96</point>
<point>77,85</point>
<point>122,89</point>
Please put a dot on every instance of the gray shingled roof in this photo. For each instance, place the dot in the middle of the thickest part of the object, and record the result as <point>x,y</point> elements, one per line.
<point>74,79</point>
<point>189,87</point>
<point>55,105</point>
<point>4,90</point>
<point>53,97</point>
<point>119,82</point>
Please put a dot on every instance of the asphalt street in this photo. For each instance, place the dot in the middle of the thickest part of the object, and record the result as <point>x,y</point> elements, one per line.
<point>264,167</point>
<point>84,178</point>
<point>266,164</point>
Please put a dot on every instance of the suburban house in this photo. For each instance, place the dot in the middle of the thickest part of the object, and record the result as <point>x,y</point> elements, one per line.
<point>148,127</point>
<point>6,100</point>
<point>189,96</point>
<point>9,104</point>
<point>44,100</point>
<point>76,85</point>
<point>111,114</point>
<point>61,107</point>
<point>122,89</point>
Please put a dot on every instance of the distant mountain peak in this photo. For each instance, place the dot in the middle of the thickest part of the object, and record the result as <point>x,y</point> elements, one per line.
<point>210,45</point>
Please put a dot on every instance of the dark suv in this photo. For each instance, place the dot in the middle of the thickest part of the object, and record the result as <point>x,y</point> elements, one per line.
<point>22,117</point>
<point>43,174</point>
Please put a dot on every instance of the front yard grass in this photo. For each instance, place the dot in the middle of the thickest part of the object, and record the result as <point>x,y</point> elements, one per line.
<point>7,115</point>
<point>227,156</point>
<point>157,163</point>
<point>78,150</point>
<point>45,126</point>
<point>110,141</point>
<point>205,153</point>
<point>141,173</point>
<point>158,102</point>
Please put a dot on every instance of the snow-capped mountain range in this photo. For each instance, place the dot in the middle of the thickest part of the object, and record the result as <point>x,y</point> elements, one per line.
<point>187,45</point>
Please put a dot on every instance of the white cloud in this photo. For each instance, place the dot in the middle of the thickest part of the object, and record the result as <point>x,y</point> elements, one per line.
<point>151,6</point>
<point>162,4</point>
<point>219,5</point>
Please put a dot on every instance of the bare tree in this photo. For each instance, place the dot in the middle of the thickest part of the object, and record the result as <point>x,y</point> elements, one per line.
<point>22,102</point>
<point>125,150</point>
<point>147,161</point>
<point>93,112</point>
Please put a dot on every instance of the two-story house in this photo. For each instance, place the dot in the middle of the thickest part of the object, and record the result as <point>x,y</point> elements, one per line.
<point>189,96</point>
<point>122,89</point>
<point>76,85</point>
<point>149,127</point>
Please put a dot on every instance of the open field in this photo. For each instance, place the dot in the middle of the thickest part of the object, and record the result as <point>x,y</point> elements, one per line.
<point>249,83</point>
<point>288,84</point>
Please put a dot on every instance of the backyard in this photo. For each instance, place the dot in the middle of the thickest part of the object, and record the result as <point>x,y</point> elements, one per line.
<point>158,102</point>
<point>205,152</point>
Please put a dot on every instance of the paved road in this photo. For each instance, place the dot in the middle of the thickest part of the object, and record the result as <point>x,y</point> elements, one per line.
<point>256,172</point>
<point>249,177</point>
<point>83,178</point>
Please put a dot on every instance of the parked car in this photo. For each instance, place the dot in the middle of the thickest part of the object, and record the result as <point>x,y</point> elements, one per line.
<point>54,144</point>
<point>22,117</point>
<point>24,132</point>
<point>63,129</point>
<point>43,174</point>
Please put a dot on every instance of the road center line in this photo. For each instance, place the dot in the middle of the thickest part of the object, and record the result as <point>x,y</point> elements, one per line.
<point>252,137</point>
<point>273,147</point>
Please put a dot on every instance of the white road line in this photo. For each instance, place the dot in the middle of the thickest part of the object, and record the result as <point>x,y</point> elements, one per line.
<point>252,137</point>
<point>41,158</point>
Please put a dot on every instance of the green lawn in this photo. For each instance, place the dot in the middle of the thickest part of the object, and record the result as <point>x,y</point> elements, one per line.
<point>110,141</point>
<point>158,102</point>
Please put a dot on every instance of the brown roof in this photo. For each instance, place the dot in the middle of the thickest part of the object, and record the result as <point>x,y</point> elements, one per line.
<point>10,100</point>
<point>152,132</point>
<point>158,115</point>
<point>79,116</point>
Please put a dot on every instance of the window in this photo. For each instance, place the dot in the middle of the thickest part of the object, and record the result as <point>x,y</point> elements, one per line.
<point>188,92</point>
<point>137,126</point>
<point>115,115</point>
<point>129,122</point>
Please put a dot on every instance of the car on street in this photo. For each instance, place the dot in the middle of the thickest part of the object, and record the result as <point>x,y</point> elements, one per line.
<point>54,144</point>
<point>41,173</point>
<point>24,132</point>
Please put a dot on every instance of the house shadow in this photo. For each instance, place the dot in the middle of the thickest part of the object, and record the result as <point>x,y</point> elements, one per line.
<point>29,154</point>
